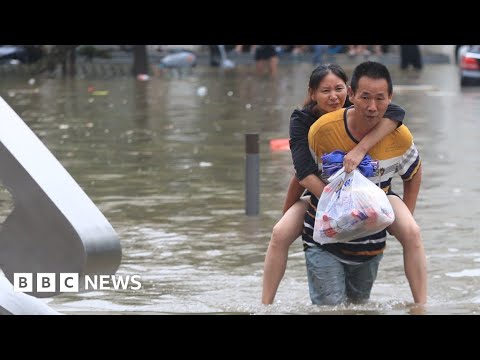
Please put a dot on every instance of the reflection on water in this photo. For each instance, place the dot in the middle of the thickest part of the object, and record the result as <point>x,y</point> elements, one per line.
<point>166,167</point>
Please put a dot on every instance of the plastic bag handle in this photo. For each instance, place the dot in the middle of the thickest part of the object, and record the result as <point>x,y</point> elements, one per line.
<point>337,174</point>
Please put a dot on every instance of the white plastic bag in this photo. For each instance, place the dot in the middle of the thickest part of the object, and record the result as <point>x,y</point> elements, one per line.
<point>351,207</point>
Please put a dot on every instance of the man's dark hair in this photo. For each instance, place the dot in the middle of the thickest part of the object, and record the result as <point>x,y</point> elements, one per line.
<point>373,70</point>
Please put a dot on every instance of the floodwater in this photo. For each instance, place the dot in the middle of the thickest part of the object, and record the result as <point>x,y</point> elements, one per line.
<point>166,167</point>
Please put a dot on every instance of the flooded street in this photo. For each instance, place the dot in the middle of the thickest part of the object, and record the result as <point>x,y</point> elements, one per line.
<point>166,168</point>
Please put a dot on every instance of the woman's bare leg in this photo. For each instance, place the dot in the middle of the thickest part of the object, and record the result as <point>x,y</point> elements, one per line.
<point>407,232</point>
<point>284,233</point>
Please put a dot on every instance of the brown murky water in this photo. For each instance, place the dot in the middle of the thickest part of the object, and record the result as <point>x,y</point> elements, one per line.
<point>166,167</point>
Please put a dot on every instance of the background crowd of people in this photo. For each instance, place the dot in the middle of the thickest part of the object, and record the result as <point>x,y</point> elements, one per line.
<point>267,56</point>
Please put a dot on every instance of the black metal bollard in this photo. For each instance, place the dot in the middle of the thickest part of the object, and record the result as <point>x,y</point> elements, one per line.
<point>252,174</point>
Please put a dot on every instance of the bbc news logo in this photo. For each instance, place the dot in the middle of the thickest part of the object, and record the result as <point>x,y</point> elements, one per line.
<point>70,282</point>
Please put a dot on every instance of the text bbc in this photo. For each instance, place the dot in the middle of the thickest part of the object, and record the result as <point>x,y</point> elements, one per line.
<point>69,282</point>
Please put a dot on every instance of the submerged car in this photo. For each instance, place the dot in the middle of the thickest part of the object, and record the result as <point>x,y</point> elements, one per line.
<point>469,64</point>
<point>20,54</point>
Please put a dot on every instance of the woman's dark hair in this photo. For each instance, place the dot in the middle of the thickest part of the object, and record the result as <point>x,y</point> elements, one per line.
<point>318,74</point>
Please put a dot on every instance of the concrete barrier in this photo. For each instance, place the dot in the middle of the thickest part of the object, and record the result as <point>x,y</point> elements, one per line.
<point>54,226</point>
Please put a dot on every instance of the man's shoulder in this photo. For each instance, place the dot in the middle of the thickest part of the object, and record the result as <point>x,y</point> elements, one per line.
<point>403,134</point>
<point>395,144</point>
<point>332,115</point>
<point>327,119</point>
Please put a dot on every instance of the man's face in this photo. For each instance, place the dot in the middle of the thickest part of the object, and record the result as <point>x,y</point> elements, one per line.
<point>371,99</point>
